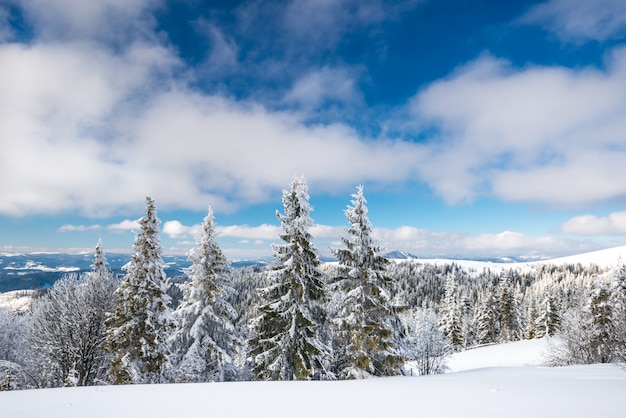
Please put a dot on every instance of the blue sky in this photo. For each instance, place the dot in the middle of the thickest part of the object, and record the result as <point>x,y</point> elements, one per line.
<point>478,128</point>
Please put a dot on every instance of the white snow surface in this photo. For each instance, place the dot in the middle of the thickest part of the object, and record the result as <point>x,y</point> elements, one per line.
<point>606,258</point>
<point>17,300</point>
<point>514,354</point>
<point>494,381</point>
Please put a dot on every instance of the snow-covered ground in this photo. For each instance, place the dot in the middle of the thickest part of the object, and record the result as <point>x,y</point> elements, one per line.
<point>17,300</point>
<point>495,381</point>
<point>515,354</point>
<point>606,258</point>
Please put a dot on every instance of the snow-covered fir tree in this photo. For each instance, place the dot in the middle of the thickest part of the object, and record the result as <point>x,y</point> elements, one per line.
<point>486,319</point>
<point>601,310</point>
<point>548,321</point>
<point>531,317</point>
<point>510,317</point>
<point>205,339</point>
<point>451,314</point>
<point>139,328</point>
<point>366,319</point>
<point>100,265</point>
<point>618,301</point>
<point>288,343</point>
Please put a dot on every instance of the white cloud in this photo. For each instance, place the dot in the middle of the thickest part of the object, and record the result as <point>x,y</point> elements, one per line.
<point>175,229</point>
<point>108,20</point>
<point>539,134</point>
<point>6,33</point>
<point>256,240</point>
<point>262,232</point>
<point>125,225</point>
<point>322,23</point>
<point>325,231</point>
<point>580,19</point>
<point>326,84</point>
<point>223,54</point>
<point>79,228</point>
<point>61,124</point>
<point>425,243</point>
<point>613,224</point>
<point>104,127</point>
<point>105,130</point>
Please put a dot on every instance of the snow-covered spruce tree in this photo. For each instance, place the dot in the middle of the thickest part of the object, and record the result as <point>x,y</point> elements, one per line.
<point>618,301</point>
<point>601,310</point>
<point>451,314</point>
<point>366,319</point>
<point>100,265</point>
<point>548,320</point>
<point>510,316</point>
<point>486,319</point>
<point>138,330</point>
<point>287,344</point>
<point>531,317</point>
<point>205,339</point>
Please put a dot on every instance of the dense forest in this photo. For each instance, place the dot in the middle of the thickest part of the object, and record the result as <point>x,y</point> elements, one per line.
<point>298,318</point>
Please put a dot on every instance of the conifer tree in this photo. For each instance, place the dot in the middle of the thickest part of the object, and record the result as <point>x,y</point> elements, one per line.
<point>138,330</point>
<point>366,317</point>
<point>486,319</point>
<point>205,338</point>
<point>602,326</point>
<point>531,318</point>
<point>548,321</point>
<point>511,324</point>
<point>451,314</point>
<point>100,266</point>
<point>618,301</point>
<point>288,344</point>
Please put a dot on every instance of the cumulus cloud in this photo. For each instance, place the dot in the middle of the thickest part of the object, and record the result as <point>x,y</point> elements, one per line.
<point>256,234</point>
<point>125,225</point>
<point>613,224</point>
<point>98,148</point>
<point>539,134</point>
<point>60,124</point>
<point>103,20</point>
<point>263,232</point>
<point>101,128</point>
<point>580,20</point>
<point>324,85</point>
<point>79,228</point>
<point>223,52</point>
<point>323,22</point>
<point>421,242</point>
<point>175,229</point>
<point>425,243</point>
<point>327,232</point>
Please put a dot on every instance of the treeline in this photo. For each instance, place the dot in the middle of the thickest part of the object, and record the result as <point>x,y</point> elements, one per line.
<point>299,318</point>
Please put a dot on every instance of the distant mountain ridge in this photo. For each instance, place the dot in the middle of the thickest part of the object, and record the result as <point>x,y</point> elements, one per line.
<point>40,270</point>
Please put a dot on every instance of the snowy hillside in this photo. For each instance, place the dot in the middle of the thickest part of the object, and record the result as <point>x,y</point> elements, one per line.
<point>516,387</point>
<point>603,258</point>
<point>17,300</point>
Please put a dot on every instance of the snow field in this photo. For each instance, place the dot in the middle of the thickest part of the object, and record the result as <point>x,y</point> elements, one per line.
<point>495,381</point>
